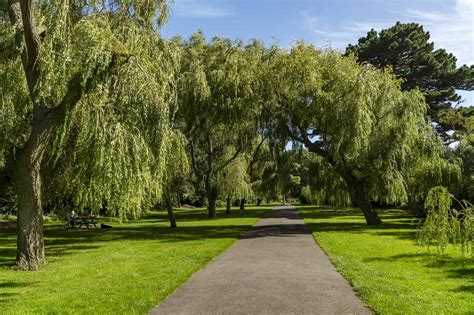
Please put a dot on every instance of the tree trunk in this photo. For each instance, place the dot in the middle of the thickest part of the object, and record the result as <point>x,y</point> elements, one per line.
<point>363,202</point>
<point>259,201</point>
<point>242,204</point>
<point>30,242</point>
<point>211,207</point>
<point>169,208</point>
<point>416,206</point>
<point>27,179</point>
<point>211,199</point>
<point>228,205</point>
<point>360,197</point>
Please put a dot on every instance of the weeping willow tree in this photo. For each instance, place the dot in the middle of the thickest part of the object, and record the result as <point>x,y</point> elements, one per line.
<point>355,118</point>
<point>233,181</point>
<point>177,170</point>
<point>218,104</point>
<point>86,88</point>
<point>445,224</point>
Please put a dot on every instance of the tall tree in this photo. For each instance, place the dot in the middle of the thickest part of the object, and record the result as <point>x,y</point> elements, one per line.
<point>465,151</point>
<point>177,170</point>
<point>218,105</point>
<point>406,48</point>
<point>356,118</point>
<point>88,83</point>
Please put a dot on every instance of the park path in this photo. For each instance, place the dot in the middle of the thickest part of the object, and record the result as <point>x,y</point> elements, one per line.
<point>275,268</point>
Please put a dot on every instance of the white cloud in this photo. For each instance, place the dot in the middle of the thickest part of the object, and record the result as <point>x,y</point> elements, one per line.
<point>426,16</point>
<point>338,37</point>
<point>195,8</point>
<point>452,30</point>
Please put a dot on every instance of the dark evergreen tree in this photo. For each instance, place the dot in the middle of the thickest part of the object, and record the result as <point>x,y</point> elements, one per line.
<point>407,49</point>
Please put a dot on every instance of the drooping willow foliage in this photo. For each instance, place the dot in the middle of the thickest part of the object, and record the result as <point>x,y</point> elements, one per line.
<point>359,122</point>
<point>233,180</point>
<point>445,224</point>
<point>325,186</point>
<point>112,146</point>
<point>177,162</point>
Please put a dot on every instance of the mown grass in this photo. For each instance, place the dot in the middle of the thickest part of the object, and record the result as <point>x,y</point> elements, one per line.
<point>387,269</point>
<point>124,270</point>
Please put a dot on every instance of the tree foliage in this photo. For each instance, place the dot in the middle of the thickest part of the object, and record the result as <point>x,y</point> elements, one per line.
<point>445,224</point>
<point>218,105</point>
<point>407,50</point>
<point>114,116</point>
<point>86,84</point>
<point>357,119</point>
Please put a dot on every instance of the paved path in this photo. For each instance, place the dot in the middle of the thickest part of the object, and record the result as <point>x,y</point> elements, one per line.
<point>275,268</point>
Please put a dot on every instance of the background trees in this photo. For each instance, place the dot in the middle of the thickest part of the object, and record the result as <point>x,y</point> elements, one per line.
<point>218,105</point>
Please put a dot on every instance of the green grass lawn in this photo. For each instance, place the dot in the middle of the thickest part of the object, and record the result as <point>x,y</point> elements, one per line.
<point>387,269</point>
<point>124,270</point>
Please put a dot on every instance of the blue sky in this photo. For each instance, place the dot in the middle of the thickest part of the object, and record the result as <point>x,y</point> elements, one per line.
<point>324,23</point>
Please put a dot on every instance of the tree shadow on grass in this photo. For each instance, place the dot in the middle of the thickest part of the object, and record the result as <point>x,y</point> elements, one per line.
<point>464,288</point>
<point>457,268</point>
<point>398,223</point>
<point>9,285</point>
<point>326,212</point>
<point>7,257</point>
<point>185,215</point>
<point>278,230</point>
<point>60,241</point>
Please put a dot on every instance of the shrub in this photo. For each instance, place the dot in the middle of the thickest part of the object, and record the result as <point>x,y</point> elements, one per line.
<point>444,224</point>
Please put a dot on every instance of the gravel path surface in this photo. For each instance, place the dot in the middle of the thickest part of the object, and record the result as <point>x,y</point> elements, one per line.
<point>275,268</point>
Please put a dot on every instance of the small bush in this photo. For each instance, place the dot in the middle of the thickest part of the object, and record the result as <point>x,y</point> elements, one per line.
<point>444,224</point>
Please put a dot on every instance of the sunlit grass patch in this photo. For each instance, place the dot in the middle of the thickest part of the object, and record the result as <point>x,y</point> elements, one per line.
<point>126,269</point>
<point>385,266</point>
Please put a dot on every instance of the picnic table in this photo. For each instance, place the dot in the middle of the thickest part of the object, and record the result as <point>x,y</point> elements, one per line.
<point>86,219</point>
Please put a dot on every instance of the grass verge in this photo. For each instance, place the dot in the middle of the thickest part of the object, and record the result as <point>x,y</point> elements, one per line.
<point>124,270</point>
<point>387,269</point>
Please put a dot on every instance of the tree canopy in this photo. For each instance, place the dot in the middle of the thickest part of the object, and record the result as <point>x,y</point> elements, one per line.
<point>86,89</point>
<point>356,118</point>
<point>407,50</point>
<point>218,104</point>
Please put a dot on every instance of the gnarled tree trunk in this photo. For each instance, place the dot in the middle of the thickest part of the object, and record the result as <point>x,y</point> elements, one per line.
<point>211,208</point>
<point>27,179</point>
<point>359,196</point>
